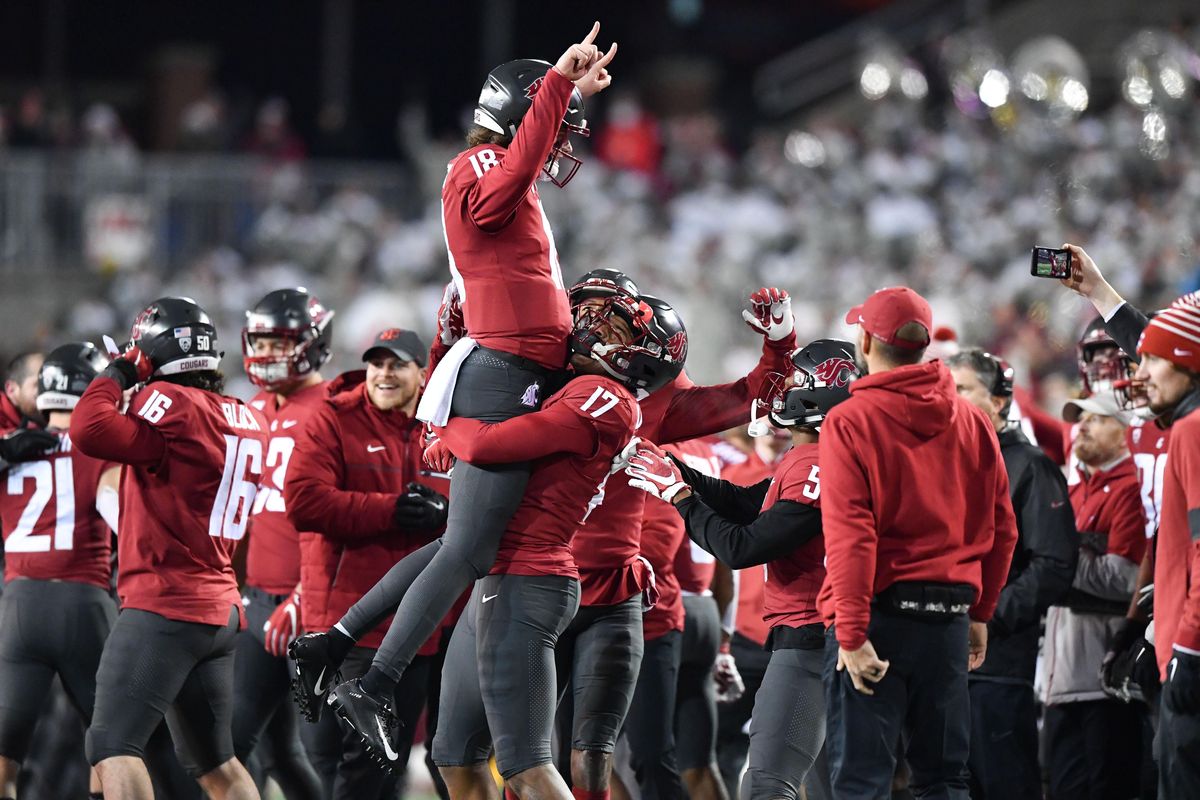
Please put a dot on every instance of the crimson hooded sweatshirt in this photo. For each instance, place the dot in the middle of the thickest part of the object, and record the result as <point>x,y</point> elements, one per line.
<point>913,489</point>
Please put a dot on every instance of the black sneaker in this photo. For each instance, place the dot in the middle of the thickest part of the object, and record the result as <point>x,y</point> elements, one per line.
<point>371,718</point>
<point>316,672</point>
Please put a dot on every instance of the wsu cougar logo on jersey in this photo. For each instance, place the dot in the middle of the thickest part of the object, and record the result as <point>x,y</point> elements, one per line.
<point>834,372</point>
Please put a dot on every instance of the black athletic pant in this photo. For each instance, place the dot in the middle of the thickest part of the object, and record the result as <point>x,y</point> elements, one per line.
<point>262,686</point>
<point>1094,750</point>
<point>337,752</point>
<point>649,727</point>
<point>696,698</point>
<point>491,387</point>
<point>1178,750</point>
<point>1004,741</point>
<point>733,737</point>
<point>923,696</point>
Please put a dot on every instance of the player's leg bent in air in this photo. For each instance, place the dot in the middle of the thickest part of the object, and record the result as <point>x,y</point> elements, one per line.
<point>506,270</point>
<point>188,450</point>
<point>517,614</point>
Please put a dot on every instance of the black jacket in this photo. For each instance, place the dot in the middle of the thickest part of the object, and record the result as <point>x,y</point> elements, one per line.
<point>1126,328</point>
<point>1043,562</point>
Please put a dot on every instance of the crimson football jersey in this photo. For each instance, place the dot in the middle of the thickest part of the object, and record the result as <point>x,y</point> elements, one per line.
<point>500,246</point>
<point>794,581</point>
<point>52,530</point>
<point>561,487</point>
<point>193,462</point>
<point>1149,443</point>
<point>694,566</point>
<point>273,552</point>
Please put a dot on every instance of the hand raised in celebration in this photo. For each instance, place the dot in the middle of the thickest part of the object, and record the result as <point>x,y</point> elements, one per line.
<point>597,78</point>
<point>579,58</point>
<point>770,313</point>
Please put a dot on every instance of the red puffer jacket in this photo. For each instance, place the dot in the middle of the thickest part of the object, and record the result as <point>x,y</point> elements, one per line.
<point>350,462</point>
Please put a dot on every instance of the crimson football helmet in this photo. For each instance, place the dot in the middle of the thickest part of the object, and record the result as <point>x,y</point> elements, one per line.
<point>655,355</point>
<point>298,317</point>
<point>822,373</point>
<point>507,95</point>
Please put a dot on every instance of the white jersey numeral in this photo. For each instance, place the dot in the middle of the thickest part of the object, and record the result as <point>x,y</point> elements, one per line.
<point>1150,468</point>
<point>270,494</point>
<point>239,483</point>
<point>155,407</point>
<point>482,161</point>
<point>812,485</point>
<point>609,398</point>
<point>58,481</point>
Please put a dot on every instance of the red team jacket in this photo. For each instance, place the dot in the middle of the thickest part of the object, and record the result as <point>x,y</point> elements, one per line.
<point>273,554</point>
<point>1177,560</point>
<point>610,540</point>
<point>794,581</point>
<point>886,453</point>
<point>350,463</point>
<point>10,417</point>
<point>52,530</point>
<point>573,438</point>
<point>193,461</point>
<point>1109,501</point>
<point>500,245</point>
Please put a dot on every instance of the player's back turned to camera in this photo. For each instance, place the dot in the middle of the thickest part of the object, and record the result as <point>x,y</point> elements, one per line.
<point>194,459</point>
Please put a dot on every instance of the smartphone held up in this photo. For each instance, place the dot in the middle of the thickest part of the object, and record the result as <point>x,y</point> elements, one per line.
<point>1047,262</point>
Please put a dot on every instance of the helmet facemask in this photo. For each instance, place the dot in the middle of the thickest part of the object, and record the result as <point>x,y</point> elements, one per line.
<point>560,159</point>
<point>592,337</point>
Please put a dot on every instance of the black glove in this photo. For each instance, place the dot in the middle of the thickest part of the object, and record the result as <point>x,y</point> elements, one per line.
<point>1117,667</point>
<point>26,444</point>
<point>1181,692</point>
<point>421,508</point>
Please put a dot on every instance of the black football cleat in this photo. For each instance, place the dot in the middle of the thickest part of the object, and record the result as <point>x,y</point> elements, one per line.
<point>316,673</point>
<point>371,718</point>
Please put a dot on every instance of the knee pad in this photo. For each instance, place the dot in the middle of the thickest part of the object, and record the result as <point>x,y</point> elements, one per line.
<point>101,743</point>
<point>759,785</point>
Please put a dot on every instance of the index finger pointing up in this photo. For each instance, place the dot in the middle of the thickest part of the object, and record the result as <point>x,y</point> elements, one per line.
<point>607,57</point>
<point>591,37</point>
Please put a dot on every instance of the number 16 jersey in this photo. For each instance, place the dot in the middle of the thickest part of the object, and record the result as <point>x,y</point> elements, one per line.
<point>193,462</point>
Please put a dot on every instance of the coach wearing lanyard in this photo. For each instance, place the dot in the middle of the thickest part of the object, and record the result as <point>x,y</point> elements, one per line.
<point>919,532</point>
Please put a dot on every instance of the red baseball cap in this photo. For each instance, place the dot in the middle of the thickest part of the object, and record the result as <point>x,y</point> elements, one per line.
<point>889,310</point>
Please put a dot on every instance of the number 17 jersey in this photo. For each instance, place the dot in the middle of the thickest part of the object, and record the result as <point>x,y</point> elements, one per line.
<point>182,517</point>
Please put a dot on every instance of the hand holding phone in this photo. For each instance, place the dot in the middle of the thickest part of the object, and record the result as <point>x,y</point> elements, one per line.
<point>1047,262</point>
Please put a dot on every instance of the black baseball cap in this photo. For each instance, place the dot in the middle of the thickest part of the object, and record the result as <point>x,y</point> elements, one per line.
<point>404,345</point>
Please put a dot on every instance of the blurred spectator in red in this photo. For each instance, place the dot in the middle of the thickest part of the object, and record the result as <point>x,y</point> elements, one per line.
<point>630,139</point>
<point>273,137</point>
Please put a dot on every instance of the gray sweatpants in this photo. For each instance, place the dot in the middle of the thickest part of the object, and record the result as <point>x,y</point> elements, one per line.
<point>787,730</point>
<point>491,388</point>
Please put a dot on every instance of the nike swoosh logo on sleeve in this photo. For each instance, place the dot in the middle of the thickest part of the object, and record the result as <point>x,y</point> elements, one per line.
<point>375,448</point>
<point>290,423</point>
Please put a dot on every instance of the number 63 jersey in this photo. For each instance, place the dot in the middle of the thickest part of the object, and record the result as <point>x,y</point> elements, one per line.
<point>193,462</point>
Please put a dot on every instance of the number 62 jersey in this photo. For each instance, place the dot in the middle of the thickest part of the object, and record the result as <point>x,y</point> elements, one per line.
<point>193,463</point>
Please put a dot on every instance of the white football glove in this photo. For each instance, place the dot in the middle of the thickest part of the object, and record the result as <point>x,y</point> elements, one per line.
<point>770,313</point>
<point>654,473</point>
<point>621,460</point>
<point>450,323</point>
<point>730,686</point>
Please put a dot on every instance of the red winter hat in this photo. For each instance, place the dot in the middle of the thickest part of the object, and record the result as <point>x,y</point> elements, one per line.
<point>889,310</point>
<point>1174,334</point>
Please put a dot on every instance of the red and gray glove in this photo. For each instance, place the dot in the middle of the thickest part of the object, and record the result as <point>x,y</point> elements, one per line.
<point>770,313</point>
<point>730,686</point>
<point>654,473</point>
<point>451,326</point>
<point>283,626</point>
<point>130,368</point>
<point>437,456</point>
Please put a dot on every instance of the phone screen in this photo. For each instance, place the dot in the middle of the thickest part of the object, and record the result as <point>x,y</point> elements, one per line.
<point>1050,263</point>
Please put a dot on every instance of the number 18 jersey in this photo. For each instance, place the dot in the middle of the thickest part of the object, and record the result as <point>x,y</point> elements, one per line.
<point>182,516</point>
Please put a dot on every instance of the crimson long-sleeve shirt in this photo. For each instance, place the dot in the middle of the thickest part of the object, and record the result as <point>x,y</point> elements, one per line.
<point>914,489</point>
<point>499,242</point>
<point>1177,560</point>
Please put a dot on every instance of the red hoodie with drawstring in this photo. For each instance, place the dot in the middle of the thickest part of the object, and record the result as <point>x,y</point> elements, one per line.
<point>913,488</point>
